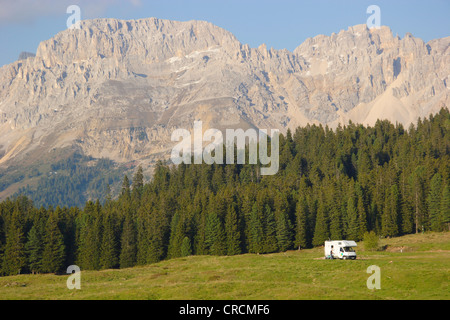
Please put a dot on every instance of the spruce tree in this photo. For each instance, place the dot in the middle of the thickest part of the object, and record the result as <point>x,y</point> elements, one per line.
<point>177,235</point>
<point>445,207</point>
<point>321,233</point>
<point>143,238</point>
<point>125,192</point>
<point>362,219</point>
<point>35,244</point>
<point>434,203</point>
<point>255,231</point>
<point>14,259</point>
<point>128,243</point>
<point>407,221</point>
<point>391,212</point>
<point>200,235</point>
<point>69,231</point>
<point>232,231</point>
<point>215,235</point>
<point>284,232</point>
<point>138,185</point>
<point>53,255</point>
<point>89,239</point>
<point>352,231</point>
<point>335,223</point>
<point>416,182</point>
<point>108,248</point>
<point>2,236</point>
<point>156,230</point>
<point>269,235</point>
<point>33,249</point>
<point>301,229</point>
<point>407,218</point>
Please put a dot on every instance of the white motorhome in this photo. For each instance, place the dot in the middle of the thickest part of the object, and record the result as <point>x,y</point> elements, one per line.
<point>340,249</point>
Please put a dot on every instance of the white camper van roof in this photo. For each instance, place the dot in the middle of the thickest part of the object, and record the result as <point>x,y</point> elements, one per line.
<point>342,243</point>
<point>349,243</point>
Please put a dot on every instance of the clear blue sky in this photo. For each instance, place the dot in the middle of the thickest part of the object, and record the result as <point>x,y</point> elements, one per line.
<point>278,24</point>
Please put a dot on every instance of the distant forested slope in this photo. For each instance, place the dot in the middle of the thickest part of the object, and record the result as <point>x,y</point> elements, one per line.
<point>72,181</point>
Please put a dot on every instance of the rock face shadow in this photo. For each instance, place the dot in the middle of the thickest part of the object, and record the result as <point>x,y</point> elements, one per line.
<point>397,67</point>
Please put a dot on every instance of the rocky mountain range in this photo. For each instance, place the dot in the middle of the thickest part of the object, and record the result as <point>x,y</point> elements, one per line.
<point>118,89</point>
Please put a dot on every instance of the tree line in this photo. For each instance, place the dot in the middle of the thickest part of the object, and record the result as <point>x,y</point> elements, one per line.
<point>332,184</point>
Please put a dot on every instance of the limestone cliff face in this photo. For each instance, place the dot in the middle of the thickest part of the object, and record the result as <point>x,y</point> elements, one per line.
<point>370,74</point>
<point>118,89</point>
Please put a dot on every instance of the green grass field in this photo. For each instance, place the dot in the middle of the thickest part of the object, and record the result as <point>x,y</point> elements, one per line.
<point>412,267</point>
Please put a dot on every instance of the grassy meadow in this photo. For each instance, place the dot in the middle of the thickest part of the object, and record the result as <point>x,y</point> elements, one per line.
<point>412,267</point>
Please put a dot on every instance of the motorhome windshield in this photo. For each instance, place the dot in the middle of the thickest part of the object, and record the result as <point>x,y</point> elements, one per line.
<point>348,249</point>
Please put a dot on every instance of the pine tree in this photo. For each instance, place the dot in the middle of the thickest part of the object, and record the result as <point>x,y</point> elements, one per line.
<point>434,203</point>
<point>445,206</point>
<point>128,243</point>
<point>14,259</point>
<point>142,240</point>
<point>33,249</point>
<point>391,213</point>
<point>352,232</point>
<point>2,236</point>
<point>108,249</point>
<point>53,255</point>
<point>246,204</point>
<point>177,235</point>
<point>362,219</point>
<point>217,179</point>
<point>89,241</point>
<point>35,243</point>
<point>269,234</point>
<point>232,231</point>
<point>138,185</point>
<point>215,235</point>
<point>407,219</point>
<point>157,229</point>
<point>321,233</point>
<point>301,230</point>
<point>200,235</point>
<point>284,232</point>
<point>416,181</point>
<point>335,223</point>
<point>125,192</point>
<point>255,231</point>
<point>69,231</point>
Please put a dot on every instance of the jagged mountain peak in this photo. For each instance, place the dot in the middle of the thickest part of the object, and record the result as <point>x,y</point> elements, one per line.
<point>150,39</point>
